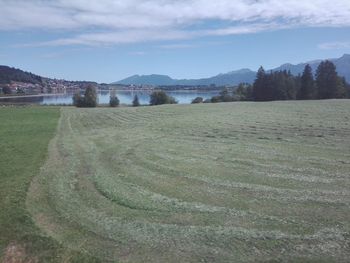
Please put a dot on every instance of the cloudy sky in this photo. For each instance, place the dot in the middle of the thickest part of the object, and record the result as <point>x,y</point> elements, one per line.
<point>106,40</point>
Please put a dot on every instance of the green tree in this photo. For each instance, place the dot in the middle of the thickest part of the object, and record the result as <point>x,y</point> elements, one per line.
<point>113,99</point>
<point>278,85</point>
<point>327,80</point>
<point>88,100</point>
<point>160,97</point>
<point>136,101</point>
<point>90,97</point>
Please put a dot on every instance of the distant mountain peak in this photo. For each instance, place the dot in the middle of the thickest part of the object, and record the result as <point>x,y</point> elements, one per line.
<point>313,62</point>
<point>345,56</point>
<point>286,65</point>
<point>241,71</point>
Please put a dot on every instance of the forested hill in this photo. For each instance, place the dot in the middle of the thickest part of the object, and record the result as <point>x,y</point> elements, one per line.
<point>8,74</point>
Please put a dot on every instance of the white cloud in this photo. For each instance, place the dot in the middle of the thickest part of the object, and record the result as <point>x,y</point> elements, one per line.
<point>105,22</point>
<point>118,37</point>
<point>334,45</point>
<point>148,35</point>
<point>178,46</point>
<point>138,53</point>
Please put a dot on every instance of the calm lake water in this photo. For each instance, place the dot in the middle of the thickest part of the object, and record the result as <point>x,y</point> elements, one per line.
<point>125,97</point>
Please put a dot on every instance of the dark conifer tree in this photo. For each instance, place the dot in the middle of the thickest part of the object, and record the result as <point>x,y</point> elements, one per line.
<point>308,89</point>
<point>327,80</point>
<point>279,85</point>
<point>259,85</point>
<point>292,86</point>
<point>341,88</point>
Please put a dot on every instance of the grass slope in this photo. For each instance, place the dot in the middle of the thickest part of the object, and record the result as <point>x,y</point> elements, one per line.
<point>233,182</point>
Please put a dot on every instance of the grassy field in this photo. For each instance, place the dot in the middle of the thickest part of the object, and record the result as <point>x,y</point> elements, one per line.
<point>24,137</point>
<point>233,182</point>
<point>25,133</point>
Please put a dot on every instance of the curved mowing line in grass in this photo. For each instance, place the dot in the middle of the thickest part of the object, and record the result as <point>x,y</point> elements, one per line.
<point>200,183</point>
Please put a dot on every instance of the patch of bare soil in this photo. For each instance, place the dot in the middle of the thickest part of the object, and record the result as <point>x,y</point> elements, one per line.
<point>15,253</point>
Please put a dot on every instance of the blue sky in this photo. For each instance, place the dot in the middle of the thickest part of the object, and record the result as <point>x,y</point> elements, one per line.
<point>107,40</point>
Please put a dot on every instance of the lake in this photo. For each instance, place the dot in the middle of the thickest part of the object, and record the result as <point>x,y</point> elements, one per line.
<point>125,97</point>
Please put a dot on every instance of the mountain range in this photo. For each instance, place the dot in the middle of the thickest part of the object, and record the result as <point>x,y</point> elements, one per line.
<point>234,77</point>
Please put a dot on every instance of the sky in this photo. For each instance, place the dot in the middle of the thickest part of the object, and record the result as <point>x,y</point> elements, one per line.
<point>108,40</point>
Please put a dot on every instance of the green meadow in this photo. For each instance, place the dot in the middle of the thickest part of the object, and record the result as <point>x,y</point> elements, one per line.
<point>25,133</point>
<point>231,182</point>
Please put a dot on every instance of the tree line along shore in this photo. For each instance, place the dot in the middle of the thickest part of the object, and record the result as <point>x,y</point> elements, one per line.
<point>268,86</point>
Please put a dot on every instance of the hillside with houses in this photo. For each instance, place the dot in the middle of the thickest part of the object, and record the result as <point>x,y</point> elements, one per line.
<point>16,81</point>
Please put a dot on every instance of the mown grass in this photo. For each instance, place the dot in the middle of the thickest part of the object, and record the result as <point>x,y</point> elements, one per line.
<point>25,133</point>
<point>24,136</point>
<point>233,182</point>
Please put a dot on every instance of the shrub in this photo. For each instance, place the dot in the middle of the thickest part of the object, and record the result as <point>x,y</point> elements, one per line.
<point>136,102</point>
<point>197,100</point>
<point>225,96</point>
<point>215,99</point>
<point>244,92</point>
<point>160,97</point>
<point>172,100</point>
